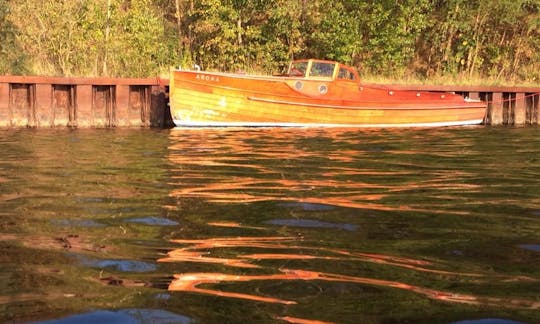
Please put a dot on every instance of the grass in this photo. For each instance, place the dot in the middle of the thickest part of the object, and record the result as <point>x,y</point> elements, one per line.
<point>450,80</point>
<point>405,79</point>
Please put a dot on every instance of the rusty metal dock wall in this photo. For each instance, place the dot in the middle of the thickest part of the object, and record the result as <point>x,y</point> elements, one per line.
<point>82,102</point>
<point>123,102</point>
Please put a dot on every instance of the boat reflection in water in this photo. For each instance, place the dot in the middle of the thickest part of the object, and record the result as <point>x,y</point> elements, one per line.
<point>233,169</point>
<point>199,251</point>
<point>309,188</point>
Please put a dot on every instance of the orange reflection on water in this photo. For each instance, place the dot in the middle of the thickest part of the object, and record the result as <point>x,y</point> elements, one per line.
<point>275,256</point>
<point>323,191</point>
<point>182,255</point>
<point>307,166</point>
<point>246,169</point>
<point>406,263</point>
<point>295,320</point>
<point>225,224</point>
<point>191,253</point>
<point>248,190</point>
<point>271,242</point>
<point>188,282</point>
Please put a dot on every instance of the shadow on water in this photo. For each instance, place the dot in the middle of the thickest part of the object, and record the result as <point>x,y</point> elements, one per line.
<point>270,226</point>
<point>127,316</point>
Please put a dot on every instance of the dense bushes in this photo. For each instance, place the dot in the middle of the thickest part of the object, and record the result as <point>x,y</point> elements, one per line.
<point>496,39</point>
<point>12,59</point>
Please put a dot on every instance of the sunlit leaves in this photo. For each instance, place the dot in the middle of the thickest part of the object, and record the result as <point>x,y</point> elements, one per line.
<point>499,39</point>
<point>488,38</point>
<point>93,37</point>
<point>12,60</point>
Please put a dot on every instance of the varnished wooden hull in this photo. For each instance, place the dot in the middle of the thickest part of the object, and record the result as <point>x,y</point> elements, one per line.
<point>217,99</point>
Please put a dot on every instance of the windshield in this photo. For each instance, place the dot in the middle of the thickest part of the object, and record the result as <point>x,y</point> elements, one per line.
<point>322,69</point>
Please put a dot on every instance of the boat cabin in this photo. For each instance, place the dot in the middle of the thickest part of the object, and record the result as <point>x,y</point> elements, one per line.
<point>322,70</point>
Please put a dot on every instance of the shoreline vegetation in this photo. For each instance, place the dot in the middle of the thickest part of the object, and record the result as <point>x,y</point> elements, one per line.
<point>459,42</point>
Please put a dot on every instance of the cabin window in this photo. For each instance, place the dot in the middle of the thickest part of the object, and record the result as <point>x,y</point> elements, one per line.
<point>322,69</point>
<point>346,74</point>
<point>298,69</point>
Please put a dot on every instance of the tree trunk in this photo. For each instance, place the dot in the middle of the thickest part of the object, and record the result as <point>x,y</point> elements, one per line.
<point>473,53</point>
<point>450,37</point>
<point>239,28</point>
<point>105,71</point>
<point>179,24</point>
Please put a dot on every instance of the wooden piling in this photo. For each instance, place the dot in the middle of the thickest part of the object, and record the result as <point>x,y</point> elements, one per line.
<point>531,108</point>
<point>495,108</point>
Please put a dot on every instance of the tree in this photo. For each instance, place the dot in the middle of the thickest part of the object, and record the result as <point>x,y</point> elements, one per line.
<point>488,38</point>
<point>94,37</point>
<point>498,39</point>
<point>230,35</point>
<point>12,60</point>
<point>142,45</point>
<point>59,35</point>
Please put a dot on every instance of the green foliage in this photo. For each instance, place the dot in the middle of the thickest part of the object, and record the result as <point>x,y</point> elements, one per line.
<point>497,39</point>
<point>94,37</point>
<point>234,35</point>
<point>390,32</point>
<point>54,35</point>
<point>11,57</point>
<point>140,36</point>
<point>329,20</point>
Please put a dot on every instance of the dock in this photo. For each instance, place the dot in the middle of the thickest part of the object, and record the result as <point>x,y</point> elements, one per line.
<point>30,101</point>
<point>41,102</point>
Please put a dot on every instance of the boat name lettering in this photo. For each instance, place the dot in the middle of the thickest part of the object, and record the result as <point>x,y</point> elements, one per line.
<point>210,78</point>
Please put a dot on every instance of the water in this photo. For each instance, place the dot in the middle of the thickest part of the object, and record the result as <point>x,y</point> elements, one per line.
<point>270,226</point>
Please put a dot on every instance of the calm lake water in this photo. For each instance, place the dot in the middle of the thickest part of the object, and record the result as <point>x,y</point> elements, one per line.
<point>270,226</point>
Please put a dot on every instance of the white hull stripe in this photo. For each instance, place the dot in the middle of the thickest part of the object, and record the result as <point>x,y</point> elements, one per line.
<point>183,123</point>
